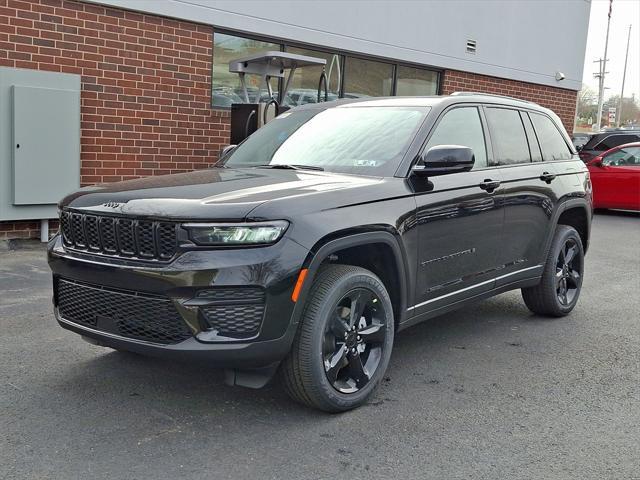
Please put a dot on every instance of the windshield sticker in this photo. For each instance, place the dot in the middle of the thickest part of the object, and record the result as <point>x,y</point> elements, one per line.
<point>366,163</point>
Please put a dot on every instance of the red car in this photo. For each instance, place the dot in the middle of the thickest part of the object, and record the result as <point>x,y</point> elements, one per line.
<point>615,175</point>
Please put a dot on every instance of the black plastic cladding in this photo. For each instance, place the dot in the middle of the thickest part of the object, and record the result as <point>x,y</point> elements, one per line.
<point>132,315</point>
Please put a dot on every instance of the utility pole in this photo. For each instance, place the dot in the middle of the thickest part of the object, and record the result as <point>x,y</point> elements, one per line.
<point>603,68</point>
<point>624,74</point>
<point>600,76</point>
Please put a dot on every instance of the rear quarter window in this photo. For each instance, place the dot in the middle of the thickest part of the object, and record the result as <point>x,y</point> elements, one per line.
<point>551,141</point>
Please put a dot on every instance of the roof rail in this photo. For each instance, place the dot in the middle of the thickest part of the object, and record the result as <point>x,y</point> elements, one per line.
<point>493,95</point>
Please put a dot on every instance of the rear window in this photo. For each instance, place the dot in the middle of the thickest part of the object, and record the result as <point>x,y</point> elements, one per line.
<point>551,142</point>
<point>507,136</point>
<point>615,140</point>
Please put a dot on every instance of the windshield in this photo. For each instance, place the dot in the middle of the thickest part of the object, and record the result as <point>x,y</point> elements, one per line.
<point>359,140</point>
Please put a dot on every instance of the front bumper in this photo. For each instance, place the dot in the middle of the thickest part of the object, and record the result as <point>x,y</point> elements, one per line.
<point>180,285</point>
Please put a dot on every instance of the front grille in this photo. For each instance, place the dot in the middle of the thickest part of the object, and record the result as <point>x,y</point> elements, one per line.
<point>116,236</point>
<point>234,312</point>
<point>124,313</point>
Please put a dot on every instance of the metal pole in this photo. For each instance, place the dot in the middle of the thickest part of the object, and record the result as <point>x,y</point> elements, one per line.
<point>624,74</point>
<point>44,230</point>
<point>604,67</point>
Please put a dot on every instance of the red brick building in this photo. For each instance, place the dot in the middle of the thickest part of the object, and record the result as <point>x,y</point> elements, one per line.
<point>147,86</point>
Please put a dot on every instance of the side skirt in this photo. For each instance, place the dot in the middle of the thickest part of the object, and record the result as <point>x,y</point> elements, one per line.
<point>529,282</point>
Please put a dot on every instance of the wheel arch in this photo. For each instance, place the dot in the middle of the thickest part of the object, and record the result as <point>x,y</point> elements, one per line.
<point>392,269</point>
<point>576,213</point>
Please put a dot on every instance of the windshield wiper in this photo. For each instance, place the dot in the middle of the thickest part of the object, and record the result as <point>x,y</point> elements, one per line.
<point>283,166</point>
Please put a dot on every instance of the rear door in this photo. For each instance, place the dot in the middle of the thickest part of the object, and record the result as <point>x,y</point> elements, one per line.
<point>529,194</point>
<point>459,218</point>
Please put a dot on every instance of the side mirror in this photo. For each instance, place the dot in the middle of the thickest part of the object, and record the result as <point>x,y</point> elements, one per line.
<point>445,159</point>
<point>226,151</point>
<point>598,163</point>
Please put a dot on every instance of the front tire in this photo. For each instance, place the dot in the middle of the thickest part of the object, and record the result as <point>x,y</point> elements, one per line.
<point>559,289</point>
<point>343,343</point>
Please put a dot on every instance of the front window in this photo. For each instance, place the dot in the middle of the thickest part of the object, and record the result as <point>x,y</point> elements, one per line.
<point>360,140</point>
<point>461,126</point>
<point>625,157</point>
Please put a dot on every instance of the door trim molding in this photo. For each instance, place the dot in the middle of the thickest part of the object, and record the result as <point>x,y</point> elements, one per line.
<point>476,285</point>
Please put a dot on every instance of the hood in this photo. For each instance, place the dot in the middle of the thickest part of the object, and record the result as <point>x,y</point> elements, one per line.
<point>213,194</point>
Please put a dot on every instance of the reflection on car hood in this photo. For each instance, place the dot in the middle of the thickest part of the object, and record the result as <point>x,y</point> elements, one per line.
<point>217,193</point>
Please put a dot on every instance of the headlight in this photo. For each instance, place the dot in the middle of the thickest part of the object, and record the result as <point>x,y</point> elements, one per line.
<point>258,233</point>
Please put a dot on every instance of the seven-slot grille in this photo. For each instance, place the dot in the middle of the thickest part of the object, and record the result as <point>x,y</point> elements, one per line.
<point>125,313</point>
<point>118,236</point>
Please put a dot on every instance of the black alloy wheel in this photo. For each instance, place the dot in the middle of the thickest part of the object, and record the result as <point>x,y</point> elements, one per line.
<point>344,340</point>
<point>559,288</point>
<point>353,340</point>
<point>568,272</point>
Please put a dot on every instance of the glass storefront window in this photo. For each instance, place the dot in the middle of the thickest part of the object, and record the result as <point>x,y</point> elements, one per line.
<point>226,85</point>
<point>304,84</point>
<point>348,77</point>
<point>413,81</point>
<point>367,78</point>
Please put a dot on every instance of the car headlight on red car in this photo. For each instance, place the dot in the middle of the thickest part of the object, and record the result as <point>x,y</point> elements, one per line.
<point>237,234</point>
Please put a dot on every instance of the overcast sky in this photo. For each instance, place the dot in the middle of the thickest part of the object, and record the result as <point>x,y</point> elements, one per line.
<point>624,13</point>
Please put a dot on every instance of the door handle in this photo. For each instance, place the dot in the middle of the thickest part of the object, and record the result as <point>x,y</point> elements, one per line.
<point>489,185</point>
<point>547,177</point>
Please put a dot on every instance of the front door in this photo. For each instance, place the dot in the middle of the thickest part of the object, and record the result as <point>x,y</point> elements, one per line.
<point>459,219</point>
<point>616,183</point>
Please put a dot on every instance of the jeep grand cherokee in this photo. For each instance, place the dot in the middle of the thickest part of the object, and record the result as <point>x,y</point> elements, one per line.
<point>311,244</point>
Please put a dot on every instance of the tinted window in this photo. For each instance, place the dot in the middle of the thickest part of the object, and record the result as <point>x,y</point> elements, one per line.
<point>534,146</point>
<point>611,141</point>
<point>625,157</point>
<point>366,78</point>
<point>226,85</point>
<point>551,142</point>
<point>507,136</point>
<point>461,126</point>
<point>303,87</point>
<point>416,81</point>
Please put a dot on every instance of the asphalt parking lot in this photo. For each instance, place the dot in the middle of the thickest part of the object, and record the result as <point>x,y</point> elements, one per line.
<point>486,392</point>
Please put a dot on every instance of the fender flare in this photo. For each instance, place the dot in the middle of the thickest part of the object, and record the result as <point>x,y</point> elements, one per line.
<point>321,251</point>
<point>563,207</point>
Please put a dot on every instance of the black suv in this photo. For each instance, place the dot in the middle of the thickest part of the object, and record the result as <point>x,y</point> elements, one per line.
<point>309,245</point>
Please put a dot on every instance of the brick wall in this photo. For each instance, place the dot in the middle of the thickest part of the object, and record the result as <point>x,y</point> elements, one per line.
<point>145,99</point>
<point>25,229</point>
<point>146,93</point>
<point>560,100</point>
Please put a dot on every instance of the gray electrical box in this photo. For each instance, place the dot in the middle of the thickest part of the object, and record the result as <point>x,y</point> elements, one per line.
<point>39,141</point>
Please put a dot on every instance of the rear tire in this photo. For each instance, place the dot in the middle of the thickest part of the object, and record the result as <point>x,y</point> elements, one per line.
<point>343,343</point>
<point>559,289</point>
